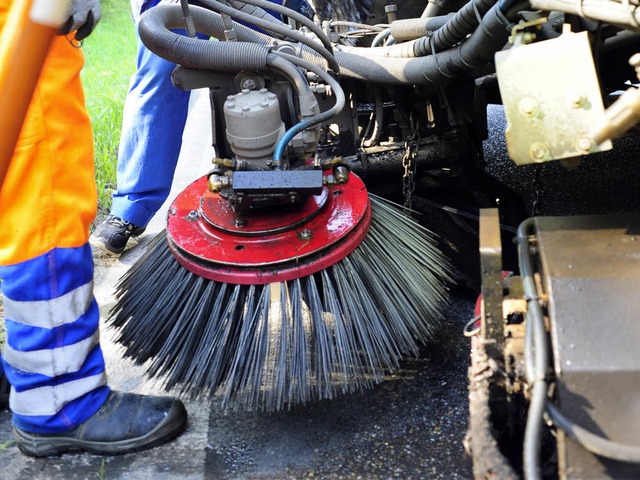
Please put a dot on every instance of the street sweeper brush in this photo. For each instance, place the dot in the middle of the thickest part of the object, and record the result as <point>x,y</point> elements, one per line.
<point>279,279</point>
<point>320,301</point>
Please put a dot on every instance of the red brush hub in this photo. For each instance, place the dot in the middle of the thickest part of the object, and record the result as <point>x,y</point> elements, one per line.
<point>271,245</point>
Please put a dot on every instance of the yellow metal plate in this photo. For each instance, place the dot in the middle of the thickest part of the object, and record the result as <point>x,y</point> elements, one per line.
<point>552,99</point>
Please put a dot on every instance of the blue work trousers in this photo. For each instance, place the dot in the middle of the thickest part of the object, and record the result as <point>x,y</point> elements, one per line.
<point>155,113</point>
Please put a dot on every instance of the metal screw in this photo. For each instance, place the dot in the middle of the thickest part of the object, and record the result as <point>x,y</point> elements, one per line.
<point>305,234</point>
<point>576,99</point>
<point>538,152</point>
<point>528,106</point>
<point>584,144</point>
<point>192,216</point>
<point>240,222</point>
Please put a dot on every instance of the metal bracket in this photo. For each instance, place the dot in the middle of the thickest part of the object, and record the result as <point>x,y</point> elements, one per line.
<point>492,286</point>
<point>552,98</point>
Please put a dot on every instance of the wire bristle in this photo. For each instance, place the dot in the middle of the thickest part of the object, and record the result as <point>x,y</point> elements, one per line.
<point>268,347</point>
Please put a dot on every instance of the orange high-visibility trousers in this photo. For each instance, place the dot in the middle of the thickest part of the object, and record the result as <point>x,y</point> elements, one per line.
<point>52,355</point>
<point>48,199</point>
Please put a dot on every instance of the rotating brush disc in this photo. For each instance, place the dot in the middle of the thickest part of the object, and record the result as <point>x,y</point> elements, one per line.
<point>290,306</point>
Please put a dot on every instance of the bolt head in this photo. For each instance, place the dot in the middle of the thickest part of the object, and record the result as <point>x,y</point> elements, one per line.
<point>584,144</point>
<point>248,84</point>
<point>538,152</point>
<point>528,106</point>
<point>306,234</point>
<point>576,99</point>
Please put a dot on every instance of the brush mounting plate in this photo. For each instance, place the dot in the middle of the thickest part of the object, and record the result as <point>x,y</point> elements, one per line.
<point>273,245</point>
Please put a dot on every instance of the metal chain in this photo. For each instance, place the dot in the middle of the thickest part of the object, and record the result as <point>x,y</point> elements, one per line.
<point>408,179</point>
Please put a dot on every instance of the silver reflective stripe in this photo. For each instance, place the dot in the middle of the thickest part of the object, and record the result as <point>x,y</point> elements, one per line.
<point>50,313</point>
<point>54,362</point>
<point>50,400</point>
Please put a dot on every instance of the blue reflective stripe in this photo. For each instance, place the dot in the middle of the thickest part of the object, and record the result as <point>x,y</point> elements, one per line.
<point>27,338</point>
<point>48,276</point>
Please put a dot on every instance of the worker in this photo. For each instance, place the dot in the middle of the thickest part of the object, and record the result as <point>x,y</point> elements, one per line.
<point>60,398</point>
<point>154,117</point>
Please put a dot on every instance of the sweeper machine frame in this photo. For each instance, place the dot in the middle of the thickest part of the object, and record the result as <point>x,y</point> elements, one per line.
<point>312,124</point>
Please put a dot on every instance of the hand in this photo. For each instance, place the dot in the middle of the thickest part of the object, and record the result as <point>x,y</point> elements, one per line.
<point>84,15</point>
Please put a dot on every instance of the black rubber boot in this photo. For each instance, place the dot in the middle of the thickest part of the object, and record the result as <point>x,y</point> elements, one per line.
<point>4,391</point>
<point>126,423</point>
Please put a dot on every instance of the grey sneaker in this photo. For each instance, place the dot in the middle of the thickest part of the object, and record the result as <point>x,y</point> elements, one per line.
<point>114,233</point>
<point>127,422</point>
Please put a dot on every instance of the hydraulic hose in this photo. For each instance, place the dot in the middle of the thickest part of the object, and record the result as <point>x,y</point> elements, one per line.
<point>277,27</point>
<point>316,119</point>
<point>298,17</point>
<point>290,72</point>
<point>154,29</point>
<point>377,121</point>
<point>537,371</point>
<point>381,37</point>
<point>189,26</point>
<point>448,31</point>
<point>594,443</point>
<point>432,9</point>
<point>464,22</point>
<point>475,52</point>
<point>414,28</point>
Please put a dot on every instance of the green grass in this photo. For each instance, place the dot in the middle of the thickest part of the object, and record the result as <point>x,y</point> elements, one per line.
<point>110,61</point>
<point>7,444</point>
